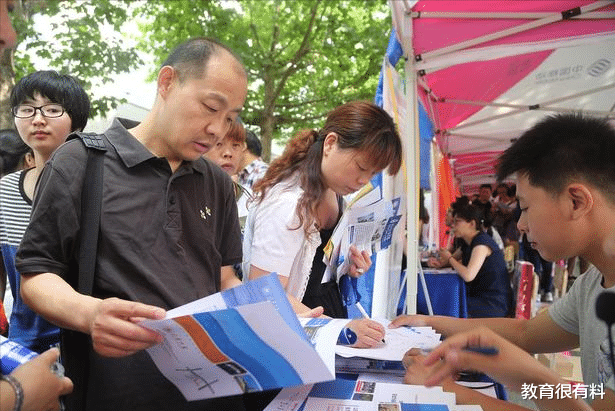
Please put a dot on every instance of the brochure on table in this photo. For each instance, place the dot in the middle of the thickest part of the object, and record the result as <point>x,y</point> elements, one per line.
<point>362,395</point>
<point>366,394</point>
<point>372,389</point>
<point>386,358</point>
<point>241,340</point>
<point>397,342</point>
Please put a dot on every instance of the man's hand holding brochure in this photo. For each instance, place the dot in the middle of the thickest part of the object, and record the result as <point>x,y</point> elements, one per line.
<point>240,340</point>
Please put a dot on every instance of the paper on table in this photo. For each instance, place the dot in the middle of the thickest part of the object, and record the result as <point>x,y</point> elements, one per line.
<point>398,341</point>
<point>381,377</point>
<point>331,404</point>
<point>322,404</point>
<point>289,399</point>
<point>483,387</point>
<point>370,394</point>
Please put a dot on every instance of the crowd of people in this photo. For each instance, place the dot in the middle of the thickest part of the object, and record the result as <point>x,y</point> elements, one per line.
<point>189,171</point>
<point>33,386</point>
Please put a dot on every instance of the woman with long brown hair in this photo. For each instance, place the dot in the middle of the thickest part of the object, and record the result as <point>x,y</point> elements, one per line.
<point>299,202</point>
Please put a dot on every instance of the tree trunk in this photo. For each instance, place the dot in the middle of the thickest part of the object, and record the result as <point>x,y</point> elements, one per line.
<point>267,135</point>
<point>7,81</point>
<point>268,119</point>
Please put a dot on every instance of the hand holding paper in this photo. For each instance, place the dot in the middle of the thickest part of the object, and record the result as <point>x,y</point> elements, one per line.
<point>361,262</point>
<point>365,227</point>
<point>114,327</point>
<point>204,351</point>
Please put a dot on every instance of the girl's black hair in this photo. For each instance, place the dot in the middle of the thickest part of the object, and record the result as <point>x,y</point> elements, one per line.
<point>58,88</point>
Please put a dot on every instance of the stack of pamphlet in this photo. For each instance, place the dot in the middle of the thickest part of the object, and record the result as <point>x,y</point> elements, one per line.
<point>241,340</point>
<point>363,394</point>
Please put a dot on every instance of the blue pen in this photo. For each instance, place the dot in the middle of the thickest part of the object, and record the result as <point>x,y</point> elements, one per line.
<point>482,350</point>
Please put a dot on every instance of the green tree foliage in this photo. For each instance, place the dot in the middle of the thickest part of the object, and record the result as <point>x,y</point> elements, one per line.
<point>304,57</point>
<point>83,39</point>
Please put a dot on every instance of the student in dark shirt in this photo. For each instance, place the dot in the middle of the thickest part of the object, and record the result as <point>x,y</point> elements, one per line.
<point>480,263</point>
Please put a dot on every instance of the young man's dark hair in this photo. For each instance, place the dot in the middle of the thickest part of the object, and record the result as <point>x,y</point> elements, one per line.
<point>189,57</point>
<point>58,88</point>
<point>253,143</point>
<point>561,147</point>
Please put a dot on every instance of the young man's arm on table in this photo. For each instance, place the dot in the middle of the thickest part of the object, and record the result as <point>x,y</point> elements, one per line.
<point>112,322</point>
<point>417,373</point>
<point>465,395</point>
<point>510,365</point>
<point>539,334</point>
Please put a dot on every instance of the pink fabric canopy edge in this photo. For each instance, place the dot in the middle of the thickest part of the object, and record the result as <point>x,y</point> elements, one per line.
<point>486,80</point>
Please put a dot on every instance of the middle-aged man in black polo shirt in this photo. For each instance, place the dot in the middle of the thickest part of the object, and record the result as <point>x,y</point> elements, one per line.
<point>169,231</point>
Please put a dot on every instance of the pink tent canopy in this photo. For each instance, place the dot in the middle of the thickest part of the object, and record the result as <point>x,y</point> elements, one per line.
<point>488,70</point>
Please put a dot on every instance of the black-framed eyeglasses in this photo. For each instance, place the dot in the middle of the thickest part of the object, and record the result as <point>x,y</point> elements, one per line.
<point>47,110</point>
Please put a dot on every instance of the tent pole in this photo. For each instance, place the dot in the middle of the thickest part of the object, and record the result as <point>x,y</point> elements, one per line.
<point>544,106</point>
<point>412,160</point>
<point>434,226</point>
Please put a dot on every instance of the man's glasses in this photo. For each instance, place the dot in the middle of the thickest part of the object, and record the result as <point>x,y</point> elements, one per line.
<point>48,110</point>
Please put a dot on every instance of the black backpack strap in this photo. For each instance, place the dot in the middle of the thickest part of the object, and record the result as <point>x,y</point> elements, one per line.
<point>75,345</point>
<point>91,204</point>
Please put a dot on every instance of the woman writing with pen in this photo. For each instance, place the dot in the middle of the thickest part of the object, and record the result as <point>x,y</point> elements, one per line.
<point>299,202</point>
